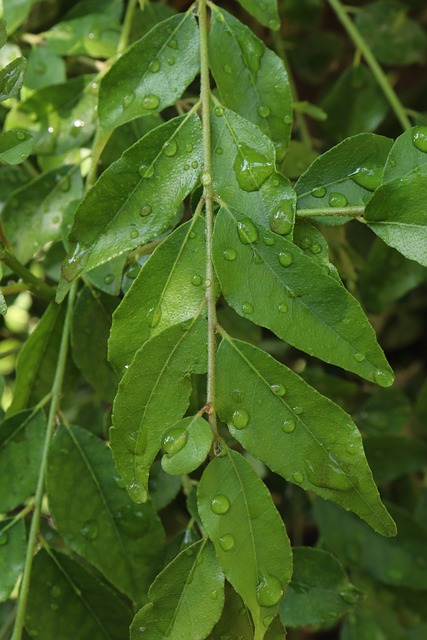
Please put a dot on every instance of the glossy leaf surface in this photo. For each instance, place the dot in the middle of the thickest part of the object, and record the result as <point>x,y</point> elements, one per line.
<point>137,197</point>
<point>186,598</point>
<point>13,546</point>
<point>15,146</point>
<point>295,431</point>
<point>397,215</point>
<point>38,212</point>
<point>89,349</point>
<point>153,394</point>
<point>186,445</point>
<point>318,589</point>
<point>235,616</point>
<point>248,533</point>
<point>96,35</point>
<point>101,523</point>
<point>253,80</point>
<point>409,152</point>
<point>11,78</point>
<point>21,446</point>
<point>399,562</point>
<point>265,12</point>
<point>65,602</point>
<point>152,74</point>
<point>269,280</point>
<point>171,279</point>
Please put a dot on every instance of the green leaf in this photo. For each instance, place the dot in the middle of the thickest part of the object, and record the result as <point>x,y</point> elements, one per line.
<point>36,364</point>
<point>152,74</point>
<point>295,431</point>
<point>38,212</point>
<point>171,279</point>
<point>248,533</point>
<point>94,309</point>
<point>108,277</point>
<point>186,598</point>
<point>269,280</point>
<point>186,445</point>
<point>3,33</point>
<point>15,146</point>
<point>101,523</point>
<point>344,176</point>
<point>384,412</point>
<point>96,35</point>
<point>392,456</point>
<point>354,103</point>
<point>399,562</point>
<point>11,178</point>
<point>11,78</point>
<point>163,488</point>
<point>153,394</point>
<point>311,241</point>
<point>16,12</point>
<point>265,12</point>
<point>235,617</point>
<point>12,554</point>
<point>44,68</point>
<point>396,213</point>
<point>21,447</point>
<point>251,79</point>
<point>60,117</point>
<point>66,602</point>
<point>319,591</point>
<point>409,152</point>
<point>297,160</point>
<point>137,197</point>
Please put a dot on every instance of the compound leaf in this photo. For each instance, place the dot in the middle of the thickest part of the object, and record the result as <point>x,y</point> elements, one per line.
<point>295,431</point>
<point>153,395</point>
<point>248,533</point>
<point>186,598</point>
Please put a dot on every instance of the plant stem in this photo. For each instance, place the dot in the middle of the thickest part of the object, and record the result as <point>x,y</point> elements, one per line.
<point>127,25</point>
<point>208,194</point>
<point>353,212</point>
<point>377,71</point>
<point>35,522</point>
<point>35,285</point>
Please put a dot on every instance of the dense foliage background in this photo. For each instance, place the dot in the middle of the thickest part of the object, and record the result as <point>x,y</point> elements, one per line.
<point>53,56</point>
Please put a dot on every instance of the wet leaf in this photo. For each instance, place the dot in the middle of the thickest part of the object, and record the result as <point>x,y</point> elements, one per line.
<point>11,78</point>
<point>265,12</point>
<point>186,445</point>
<point>13,546</point>
<point>248,533</point>
<point>96,35</point>
<point>15,146</point>
<point>295,431</point>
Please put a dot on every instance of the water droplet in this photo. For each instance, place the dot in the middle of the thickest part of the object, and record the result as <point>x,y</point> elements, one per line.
<point>40,67</point>
<point>186,167</point>
<point>419,138</point>
<point>171,61</point>
<point>297,477</point>
<point>189,147</point>
<point>90,530</point>
<point>359,357</point>
<point>383,378</point>
<point>285,259</point>
<point>108,279</point>
<point>350,596</point>
<point>150,101</point>
<point>219,151</point>
<point>196,280</point>
<point>229,254</point>
<point>192,235</point>
<point>55,592</point>
<point>281,221</point>
<point>264,111</point>
<point>316,249</point>
<point>153,316</point>
<point>254,49</point>
<point>194,164</point>
<point>119,482</point>
<point>240,418</point>
<point>4,536</point>
<point>220,504</point>
<point>368,177</point>
<point>269,241</point>
<point>287,119</point>
<point>174,441</point>
<point>337,200</point>
<point>318,192</point>
<point>278,389</point>
<point>145,210</point>
<point>248,233</point>
<point>134,234</point>
<point>213,594</point>
<point>173,43</point>
<point>251,168</point>
<point>170,148</point>
<point>154,66</point>
<point>146,171</point>
<point>227,68</point>
<point>236,395</point>
<point>20,135</point>
<point>298,410</point>
<point>288,426</point>
<point>283,307</point>
<point>227,542</point>
<point>218,111</point>
<point>247,308</point>
<point>269,591</point>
